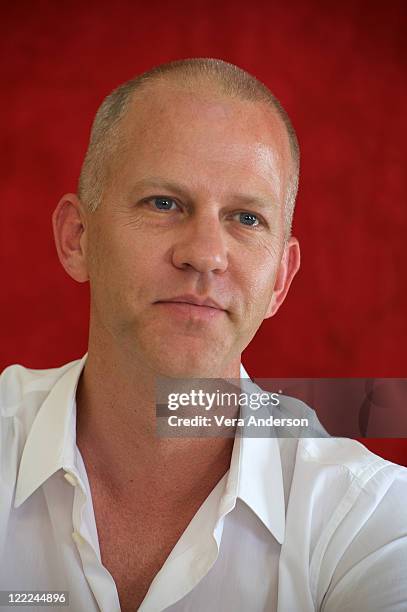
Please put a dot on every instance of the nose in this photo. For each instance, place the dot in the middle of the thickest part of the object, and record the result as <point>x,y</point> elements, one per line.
<point>201,245</point>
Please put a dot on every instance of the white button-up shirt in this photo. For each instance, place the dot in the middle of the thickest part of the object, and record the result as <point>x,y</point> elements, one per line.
<point>295,525</point>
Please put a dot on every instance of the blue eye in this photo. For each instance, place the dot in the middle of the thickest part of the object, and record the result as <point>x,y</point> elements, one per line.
<point>248,219</point>
<point>163,203</point>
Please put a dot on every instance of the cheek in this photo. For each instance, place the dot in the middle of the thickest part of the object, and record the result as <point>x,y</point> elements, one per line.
<point>258,270</point>
<point>125,272</point>
<point>256,278</point>
<point>108,271</point>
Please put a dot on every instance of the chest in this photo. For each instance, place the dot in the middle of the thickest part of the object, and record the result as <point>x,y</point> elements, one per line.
<point>133,569</point>
<point>133,550</point>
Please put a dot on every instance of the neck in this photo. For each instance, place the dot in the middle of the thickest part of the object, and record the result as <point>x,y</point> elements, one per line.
<point>116,422</point>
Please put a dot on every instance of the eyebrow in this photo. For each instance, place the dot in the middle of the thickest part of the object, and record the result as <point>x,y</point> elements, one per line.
<point>244,199</point>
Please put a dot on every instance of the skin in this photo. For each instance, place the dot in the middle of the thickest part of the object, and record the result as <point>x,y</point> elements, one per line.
<point>213,157</point>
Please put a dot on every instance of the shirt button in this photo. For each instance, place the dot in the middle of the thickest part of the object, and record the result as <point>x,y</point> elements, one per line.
<point>77,538</point>
<point>71,479</point>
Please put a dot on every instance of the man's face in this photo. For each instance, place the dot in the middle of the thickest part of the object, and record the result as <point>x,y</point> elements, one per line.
<point>193,211</point>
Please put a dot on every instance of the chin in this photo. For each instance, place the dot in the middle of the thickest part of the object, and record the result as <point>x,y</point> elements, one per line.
<point>185,356</point>
<point>177,362</point>
<point>187,368</point>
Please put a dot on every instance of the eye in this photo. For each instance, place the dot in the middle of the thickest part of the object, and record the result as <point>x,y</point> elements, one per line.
<point>163,203</point>
<point>248,219</point>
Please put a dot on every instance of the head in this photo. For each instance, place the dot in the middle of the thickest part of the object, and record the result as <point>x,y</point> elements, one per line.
<point>186,195</point>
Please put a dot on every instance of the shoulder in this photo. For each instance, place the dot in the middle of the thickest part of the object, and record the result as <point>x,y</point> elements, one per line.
<point>347,467</point>
<point>359,555</point>
<point>354,504</point>
<point>339,451</point>
<point>341,489</point>
<point>345,453</point>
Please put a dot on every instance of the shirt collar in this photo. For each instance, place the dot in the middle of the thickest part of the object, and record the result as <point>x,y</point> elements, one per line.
<point>50,444</point>
<point>255,474</point>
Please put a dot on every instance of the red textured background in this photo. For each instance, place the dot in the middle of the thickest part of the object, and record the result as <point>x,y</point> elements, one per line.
<point>340,70</point>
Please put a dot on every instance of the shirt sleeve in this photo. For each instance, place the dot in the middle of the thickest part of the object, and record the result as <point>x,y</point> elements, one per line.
<point>371,576</point>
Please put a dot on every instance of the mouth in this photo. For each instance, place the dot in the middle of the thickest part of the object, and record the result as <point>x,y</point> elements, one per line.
<point>192,307</point>
<point>193,300</point>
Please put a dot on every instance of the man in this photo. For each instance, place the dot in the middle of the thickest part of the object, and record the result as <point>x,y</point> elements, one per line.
<point>182,226</point>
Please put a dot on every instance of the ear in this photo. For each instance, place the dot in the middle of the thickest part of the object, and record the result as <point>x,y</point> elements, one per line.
<point>69,225</point>
<point>289,266</point>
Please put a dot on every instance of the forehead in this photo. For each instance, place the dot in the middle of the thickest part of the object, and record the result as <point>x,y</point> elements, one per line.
<point>196,133</point>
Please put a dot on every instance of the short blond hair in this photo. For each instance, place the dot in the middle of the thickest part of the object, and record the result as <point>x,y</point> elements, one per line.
<point>230,80</point>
